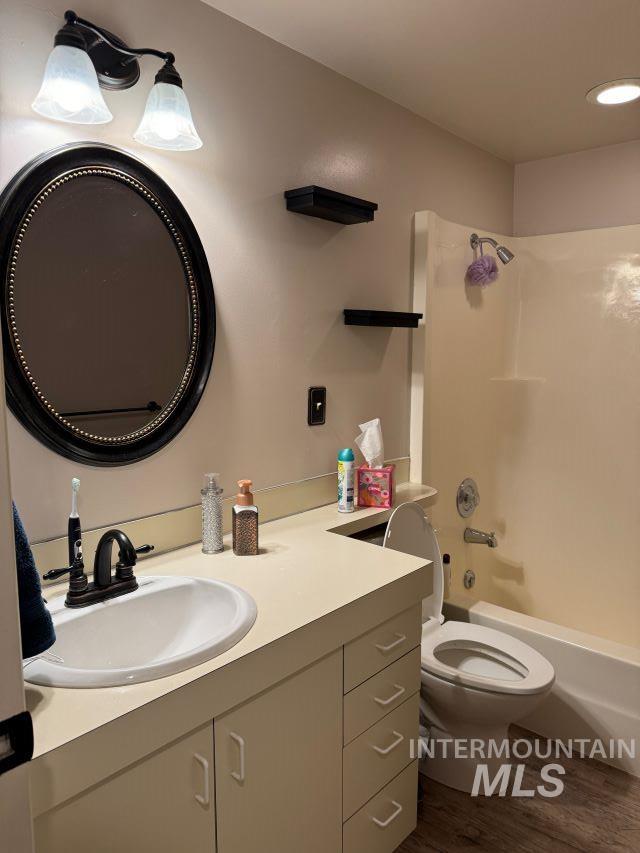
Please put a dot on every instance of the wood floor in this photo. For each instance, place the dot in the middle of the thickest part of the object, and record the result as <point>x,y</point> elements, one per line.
<point>598,811</point>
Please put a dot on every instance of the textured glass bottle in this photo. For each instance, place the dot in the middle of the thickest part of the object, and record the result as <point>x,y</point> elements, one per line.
<point>211,515</point>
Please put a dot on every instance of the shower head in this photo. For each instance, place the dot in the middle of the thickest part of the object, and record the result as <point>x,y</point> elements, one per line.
<point>502,252</point>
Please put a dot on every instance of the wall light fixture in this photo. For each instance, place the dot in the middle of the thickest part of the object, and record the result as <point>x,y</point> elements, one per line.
<point>86,58</point>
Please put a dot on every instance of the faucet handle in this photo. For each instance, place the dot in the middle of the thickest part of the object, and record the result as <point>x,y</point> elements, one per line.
<point>76,569</point>
<point>78,581</point>
<point>124,571</point>
<point>52,574</point>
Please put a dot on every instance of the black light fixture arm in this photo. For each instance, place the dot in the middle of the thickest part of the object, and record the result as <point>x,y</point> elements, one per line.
<point>74,20</point>
<point>69,35</point>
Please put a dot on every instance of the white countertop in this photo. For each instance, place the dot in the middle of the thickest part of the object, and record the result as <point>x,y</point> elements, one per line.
<point>304,572</point>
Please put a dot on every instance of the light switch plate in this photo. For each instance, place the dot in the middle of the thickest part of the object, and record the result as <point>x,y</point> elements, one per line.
<point>317,406</point>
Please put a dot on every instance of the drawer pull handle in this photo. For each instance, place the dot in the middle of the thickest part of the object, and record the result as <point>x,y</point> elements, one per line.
<point>384,823</point>
<point>397,642</point>
<point>399,691</point>
<point>204,799</point>
<point>386,750</point>
<point>238,775</point>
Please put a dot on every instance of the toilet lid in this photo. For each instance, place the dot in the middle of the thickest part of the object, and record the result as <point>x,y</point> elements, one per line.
<point>410,531</point>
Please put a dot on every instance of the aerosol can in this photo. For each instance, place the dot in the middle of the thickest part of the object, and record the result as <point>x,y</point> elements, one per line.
<point>346,480</point>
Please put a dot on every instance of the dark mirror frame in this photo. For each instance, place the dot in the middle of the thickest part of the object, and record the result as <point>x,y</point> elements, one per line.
<point>18,202</point>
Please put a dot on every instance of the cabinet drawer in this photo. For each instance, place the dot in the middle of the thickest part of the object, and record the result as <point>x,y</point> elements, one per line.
<point>386,820</point>
<point>378,755</point>
<point>381,646</point>
<point>380,694</point>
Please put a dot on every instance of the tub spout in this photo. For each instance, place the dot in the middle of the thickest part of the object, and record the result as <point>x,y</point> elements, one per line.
<point>479,537</point>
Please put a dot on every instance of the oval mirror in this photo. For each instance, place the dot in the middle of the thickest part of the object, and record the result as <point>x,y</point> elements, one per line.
<point>108,314</point>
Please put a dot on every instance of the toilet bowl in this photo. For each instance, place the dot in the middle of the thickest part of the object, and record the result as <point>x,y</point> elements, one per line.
<point>475,681</point>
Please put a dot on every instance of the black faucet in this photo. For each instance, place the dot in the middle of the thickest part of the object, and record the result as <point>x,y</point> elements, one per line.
<point>105,585</point>
<point>102,578</point>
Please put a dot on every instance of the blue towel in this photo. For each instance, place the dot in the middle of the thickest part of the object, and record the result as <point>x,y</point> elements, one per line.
<point>36,625</point>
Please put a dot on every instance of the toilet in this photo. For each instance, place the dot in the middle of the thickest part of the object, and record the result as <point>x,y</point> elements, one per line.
<point>476,681</point>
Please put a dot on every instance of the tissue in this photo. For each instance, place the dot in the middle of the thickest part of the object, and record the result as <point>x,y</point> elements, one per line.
<point>375,479</point>
<point>370,443</point>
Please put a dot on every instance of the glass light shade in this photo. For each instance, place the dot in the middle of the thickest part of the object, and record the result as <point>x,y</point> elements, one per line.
<point>70,90</point>
<point>167,121</point>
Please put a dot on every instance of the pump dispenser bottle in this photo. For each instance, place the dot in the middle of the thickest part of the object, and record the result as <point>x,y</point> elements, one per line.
<point>211,515</point>
<point>244,522</point>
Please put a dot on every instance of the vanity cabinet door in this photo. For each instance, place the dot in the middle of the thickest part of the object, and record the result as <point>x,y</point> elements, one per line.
<point>163,804</point>
<point>279,766</point>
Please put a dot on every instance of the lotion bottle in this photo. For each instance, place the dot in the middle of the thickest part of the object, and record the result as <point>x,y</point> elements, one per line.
<point>244,522</point>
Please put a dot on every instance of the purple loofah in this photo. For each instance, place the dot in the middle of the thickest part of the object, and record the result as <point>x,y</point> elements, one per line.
<point>482,271</point>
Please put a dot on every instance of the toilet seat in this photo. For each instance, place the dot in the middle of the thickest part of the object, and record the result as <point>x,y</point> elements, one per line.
<point>489,660</point>
<point>461,653</point>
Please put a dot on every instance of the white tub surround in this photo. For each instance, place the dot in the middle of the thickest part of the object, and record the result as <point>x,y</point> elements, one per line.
<point>531,387</point>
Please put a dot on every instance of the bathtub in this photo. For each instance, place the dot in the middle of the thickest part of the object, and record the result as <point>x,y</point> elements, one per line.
<point>597,688</point>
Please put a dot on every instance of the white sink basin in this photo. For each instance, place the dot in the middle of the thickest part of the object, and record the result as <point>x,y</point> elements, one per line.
<point>167,625</point>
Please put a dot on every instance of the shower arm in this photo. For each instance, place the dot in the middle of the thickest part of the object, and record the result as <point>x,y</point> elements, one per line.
<point>476,241</point>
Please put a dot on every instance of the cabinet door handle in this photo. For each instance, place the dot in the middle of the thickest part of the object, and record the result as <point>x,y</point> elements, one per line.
<point>398,642</point>
<point>388,749</point>
<point>383,823</point>
<point>204,798</point>
<point>238,775</point>
<point>399,691</point>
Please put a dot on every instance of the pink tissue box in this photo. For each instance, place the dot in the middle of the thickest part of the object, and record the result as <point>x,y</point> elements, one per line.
<point>375,486</point>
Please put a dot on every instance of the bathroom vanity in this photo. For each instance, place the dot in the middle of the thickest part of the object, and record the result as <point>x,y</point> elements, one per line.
<point>297,738</point>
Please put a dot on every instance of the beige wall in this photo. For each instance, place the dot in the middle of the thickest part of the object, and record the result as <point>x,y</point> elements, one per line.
<point>534,392</point>
<point>589,189</point>
<point>271,120</point>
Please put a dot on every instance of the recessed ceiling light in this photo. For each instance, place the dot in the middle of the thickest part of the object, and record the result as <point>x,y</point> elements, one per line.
<point>615,92</point>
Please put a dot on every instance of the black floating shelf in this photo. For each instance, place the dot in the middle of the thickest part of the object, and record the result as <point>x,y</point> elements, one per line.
<point>328,204</point>
<point>364,317</point>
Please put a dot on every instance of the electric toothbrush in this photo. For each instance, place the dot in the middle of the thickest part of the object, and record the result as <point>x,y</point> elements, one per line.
<point>74,530</point>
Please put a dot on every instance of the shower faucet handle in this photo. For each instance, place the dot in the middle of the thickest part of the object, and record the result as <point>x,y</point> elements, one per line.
<point>467,497</point>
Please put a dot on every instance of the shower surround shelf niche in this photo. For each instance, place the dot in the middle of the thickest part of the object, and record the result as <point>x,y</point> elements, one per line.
<point>329,204</point>
<point>387,319</point>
